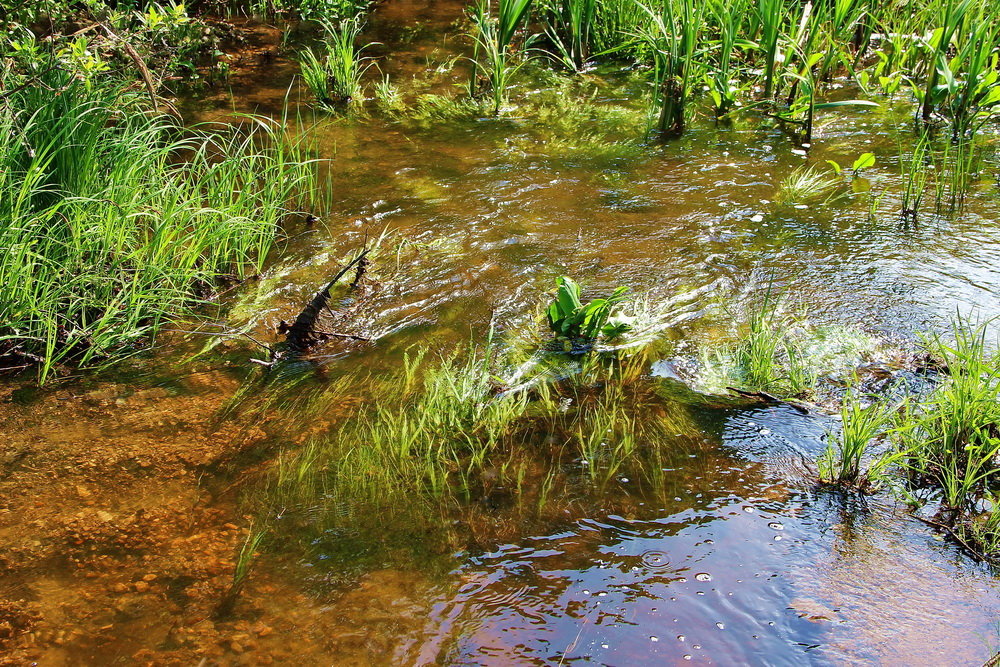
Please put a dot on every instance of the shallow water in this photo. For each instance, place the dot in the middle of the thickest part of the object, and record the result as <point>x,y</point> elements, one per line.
<point>732,556</point>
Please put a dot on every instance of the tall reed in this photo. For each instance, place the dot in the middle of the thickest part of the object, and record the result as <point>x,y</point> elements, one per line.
<point>727,17</point>
<point>673,36</point>
<point>570,26</point>
<point>770,16</point>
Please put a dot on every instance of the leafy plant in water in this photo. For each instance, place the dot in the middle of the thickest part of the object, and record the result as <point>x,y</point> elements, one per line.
<point>571,318</point>
<point>770,15</point>
<point>728,16</point>
<point>863,161</point>
<point>960,64</point>
<point>803,106</point>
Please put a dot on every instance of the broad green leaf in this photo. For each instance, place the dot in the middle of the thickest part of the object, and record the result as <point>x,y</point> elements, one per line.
<point>863,162</point>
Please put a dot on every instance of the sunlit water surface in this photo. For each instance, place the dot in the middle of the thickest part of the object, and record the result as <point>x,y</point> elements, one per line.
<point>737,559</point>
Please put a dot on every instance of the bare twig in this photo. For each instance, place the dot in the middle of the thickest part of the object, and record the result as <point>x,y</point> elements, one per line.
<point>33,81</point>
<point>951,532</point>
<point>340,335</point>
<point>143,71</point>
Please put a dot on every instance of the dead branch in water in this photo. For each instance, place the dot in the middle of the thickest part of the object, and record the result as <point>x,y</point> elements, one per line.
<point>302,335</point>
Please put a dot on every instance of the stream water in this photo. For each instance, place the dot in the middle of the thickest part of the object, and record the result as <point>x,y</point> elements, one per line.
<point>736,557</point>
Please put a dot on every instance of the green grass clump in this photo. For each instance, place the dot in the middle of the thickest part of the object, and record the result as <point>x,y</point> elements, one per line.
<point>333,73</point>
<point>111,223</point>
<point>784,354</point>
<point>945,441</point>
<point>768,356</point>
<point>952,439</point>
<point>860,424</point>
<point>983,529</point>
<point>807,185</point>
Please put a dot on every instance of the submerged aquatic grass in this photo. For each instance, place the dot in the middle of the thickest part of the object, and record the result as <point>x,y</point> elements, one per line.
<point>446,430</point>
<point>241,572</point>
<point>768,356</point>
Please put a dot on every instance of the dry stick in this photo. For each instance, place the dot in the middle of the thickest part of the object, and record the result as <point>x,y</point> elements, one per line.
<point>299,332</point>
<point>143,70</point>
<point>953,534</point>
<point>341,335</point>
<point>770,398</point>
<point>35,80</point>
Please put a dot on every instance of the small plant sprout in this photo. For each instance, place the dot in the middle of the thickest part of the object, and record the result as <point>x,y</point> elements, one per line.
<point>864,161</point>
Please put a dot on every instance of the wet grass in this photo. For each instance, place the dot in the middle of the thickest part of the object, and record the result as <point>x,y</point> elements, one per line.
<point>767,355</point>
<point>861,422</point>
<point>113,222</point>
<point>944,444</point>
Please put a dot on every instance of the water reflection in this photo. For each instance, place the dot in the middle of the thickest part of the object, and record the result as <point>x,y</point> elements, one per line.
<point>773,580</point>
